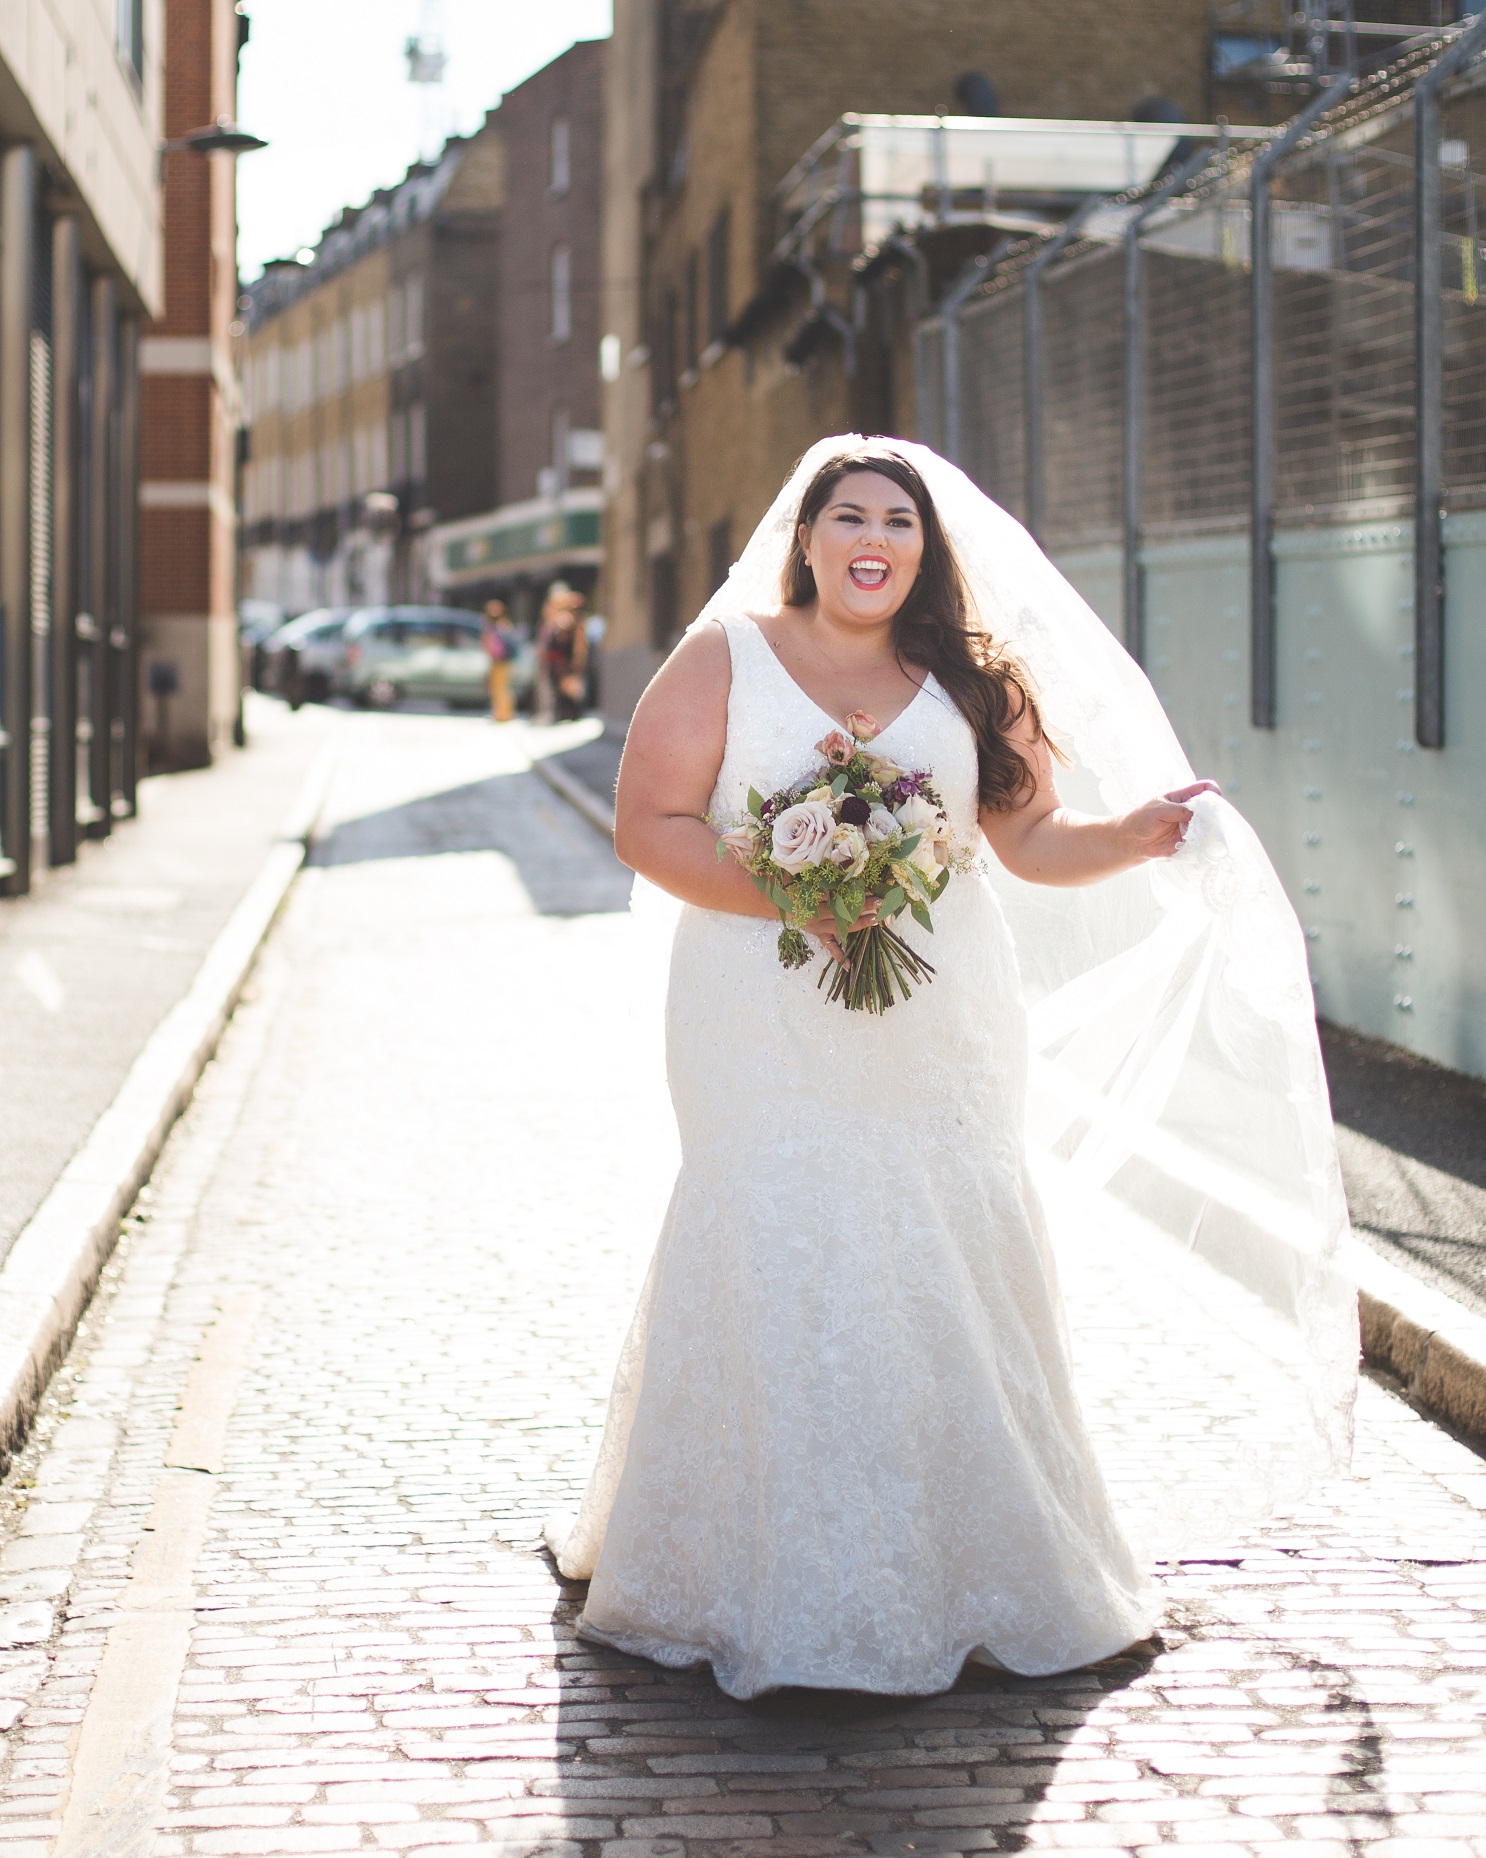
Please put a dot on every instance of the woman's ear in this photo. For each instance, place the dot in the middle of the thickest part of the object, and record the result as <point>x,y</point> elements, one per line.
<point>804,534</point>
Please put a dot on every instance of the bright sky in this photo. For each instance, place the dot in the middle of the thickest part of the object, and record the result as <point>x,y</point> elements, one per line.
<point>325,83</point>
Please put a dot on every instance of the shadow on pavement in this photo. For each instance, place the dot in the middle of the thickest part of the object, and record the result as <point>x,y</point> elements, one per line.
<point>816,1771</point>
<point>1416,1186</point>
<point>1418,1108</point>
<point>567,868</point>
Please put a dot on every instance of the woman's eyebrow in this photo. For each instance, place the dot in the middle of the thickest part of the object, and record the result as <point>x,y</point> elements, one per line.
<point>898,509</point>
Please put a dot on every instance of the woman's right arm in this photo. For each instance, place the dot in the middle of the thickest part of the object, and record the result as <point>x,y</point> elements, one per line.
<point>671,758</point>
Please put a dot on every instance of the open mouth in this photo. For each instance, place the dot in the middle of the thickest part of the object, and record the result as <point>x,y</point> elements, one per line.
<point>869,572</point>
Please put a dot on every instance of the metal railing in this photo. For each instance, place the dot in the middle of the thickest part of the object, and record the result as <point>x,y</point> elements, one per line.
<point>1286,334</point>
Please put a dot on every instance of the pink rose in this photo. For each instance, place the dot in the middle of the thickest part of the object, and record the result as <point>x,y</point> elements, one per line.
<point>802,835</point>
<point>741,842</point>
<point>837,748</point>
<point>863,726</point>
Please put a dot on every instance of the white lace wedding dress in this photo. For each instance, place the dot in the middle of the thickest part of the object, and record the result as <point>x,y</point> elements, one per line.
<point>843,1448</point>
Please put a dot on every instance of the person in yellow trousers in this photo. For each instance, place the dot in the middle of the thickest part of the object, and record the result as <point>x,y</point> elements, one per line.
<point>500,644</point>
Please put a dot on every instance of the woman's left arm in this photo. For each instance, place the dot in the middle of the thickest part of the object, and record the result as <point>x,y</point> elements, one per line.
<point>1045,842</point>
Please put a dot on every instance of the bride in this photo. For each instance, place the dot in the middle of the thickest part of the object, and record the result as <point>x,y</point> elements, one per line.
<point>844,1447</point>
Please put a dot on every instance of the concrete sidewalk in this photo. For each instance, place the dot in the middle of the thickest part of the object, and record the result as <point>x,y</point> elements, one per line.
<point>93,960</point>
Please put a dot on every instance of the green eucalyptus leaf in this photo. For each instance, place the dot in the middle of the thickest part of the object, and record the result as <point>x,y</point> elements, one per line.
<point>755,803</point>
<point>910,844</point>
<point>893,901</point>
<point>921,916</point>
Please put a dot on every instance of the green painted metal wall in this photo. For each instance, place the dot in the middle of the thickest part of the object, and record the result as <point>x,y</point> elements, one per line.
<point>1380,844</point>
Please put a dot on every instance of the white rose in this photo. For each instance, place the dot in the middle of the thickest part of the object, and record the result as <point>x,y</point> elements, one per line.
<point>802,835</point>
<point>919,815</point>
<point>848,850</point>
<point>823,794</point>
<point>880,825</point>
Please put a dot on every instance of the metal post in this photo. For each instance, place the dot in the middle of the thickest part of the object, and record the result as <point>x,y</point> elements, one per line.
<point>17,277</point>
<point>1429,392</point>
<point>93,807</point>
<point>964,287</point>
<point>1263,685</point>
<point>1134,386</point>
<point>1032,357</point>
<point>66,458</point>
<point>124,633</point>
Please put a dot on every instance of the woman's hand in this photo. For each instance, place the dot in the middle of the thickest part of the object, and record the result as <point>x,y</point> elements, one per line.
<point>824,928</point>
<point>1156,829</point>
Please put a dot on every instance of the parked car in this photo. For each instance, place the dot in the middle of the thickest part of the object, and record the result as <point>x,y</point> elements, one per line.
<point>257,621</point>
<point>393,652</point>
<point>302,661</point>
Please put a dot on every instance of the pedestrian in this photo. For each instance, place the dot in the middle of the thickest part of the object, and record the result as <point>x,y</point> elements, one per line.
<point>844,1447</point>
<point>562,649</point>
<point>499,636</point>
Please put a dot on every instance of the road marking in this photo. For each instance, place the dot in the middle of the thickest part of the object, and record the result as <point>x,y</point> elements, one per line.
<point>121,1754</point>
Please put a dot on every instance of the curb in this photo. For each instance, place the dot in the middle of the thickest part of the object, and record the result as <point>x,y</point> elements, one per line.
<point>594,810</point>
<point>50,1272</point>
<point>1432,1345</point>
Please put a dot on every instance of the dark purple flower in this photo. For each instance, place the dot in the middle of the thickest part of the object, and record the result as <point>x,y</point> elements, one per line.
<point>855,810</point>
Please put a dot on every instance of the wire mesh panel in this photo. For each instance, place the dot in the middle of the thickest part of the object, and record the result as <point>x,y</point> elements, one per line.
<point>992,435</point>
<point>1195,466</point>
<point>929,361</point>
<point>1083,368</point>
<point>1344,232</point>
<point>1463,152</point>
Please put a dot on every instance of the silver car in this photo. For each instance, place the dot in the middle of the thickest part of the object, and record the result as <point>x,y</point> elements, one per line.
<point>392,652</point>
<point>302,661</point>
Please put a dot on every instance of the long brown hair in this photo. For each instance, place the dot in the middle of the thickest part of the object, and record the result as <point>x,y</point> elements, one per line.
<point>932,628</point>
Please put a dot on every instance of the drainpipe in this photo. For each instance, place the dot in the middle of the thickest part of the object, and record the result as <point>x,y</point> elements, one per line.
<point>1262,691</point>
<point>1032,356</point>
<point>1133,608</point>
<point>17,283</point>
<point>1429,391</point>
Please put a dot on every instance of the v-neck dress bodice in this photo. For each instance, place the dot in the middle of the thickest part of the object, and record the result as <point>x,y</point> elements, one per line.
<point>843,1448</point>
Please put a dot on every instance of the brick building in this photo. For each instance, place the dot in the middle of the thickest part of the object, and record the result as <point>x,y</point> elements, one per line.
<point>733,363</point>
<point>541,520</point>
<point>190,410</point>
<point>81,113</point>
<point>370,387</point>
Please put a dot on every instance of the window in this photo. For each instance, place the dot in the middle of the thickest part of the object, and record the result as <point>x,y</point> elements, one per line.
<point>358,344</point>
<point>413,316</point>
<point>376,345</point>
<point>399,448</point>
<point>418,442</point>
<point>692,322</point>
<point>663,370</point>
<point>129,34</point>
<point>395,324</point>
<point>379,475</point>
<point>719,552</point>
<point>324,365</point>
<point>342,354</point>
<point>663,604</point>
<point>717,276</point>
<point>562,293</point>
<point>561,165</point>
<point>361,466</point>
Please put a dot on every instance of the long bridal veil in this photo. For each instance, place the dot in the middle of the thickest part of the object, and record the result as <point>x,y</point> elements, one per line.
<point>1179,1127</point>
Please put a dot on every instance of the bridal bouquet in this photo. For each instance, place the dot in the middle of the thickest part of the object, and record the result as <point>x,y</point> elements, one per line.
<point>858,826</point>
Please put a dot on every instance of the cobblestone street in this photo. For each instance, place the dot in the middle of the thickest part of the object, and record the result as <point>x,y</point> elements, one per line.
<point>272,1581</point>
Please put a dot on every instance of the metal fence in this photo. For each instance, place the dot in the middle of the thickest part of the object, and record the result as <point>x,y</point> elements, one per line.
<point>1171,371</point>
